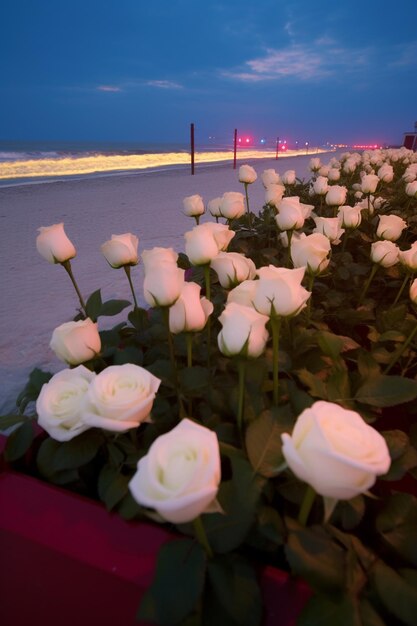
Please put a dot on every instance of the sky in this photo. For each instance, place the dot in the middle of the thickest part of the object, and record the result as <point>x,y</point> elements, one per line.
<point>143,70</point>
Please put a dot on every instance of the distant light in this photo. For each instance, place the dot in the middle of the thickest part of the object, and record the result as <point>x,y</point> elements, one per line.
<point>263,140</point>
<point>247,140</point>
<point>306,143</point>
<point>283,147</point>
<point>240,141</point>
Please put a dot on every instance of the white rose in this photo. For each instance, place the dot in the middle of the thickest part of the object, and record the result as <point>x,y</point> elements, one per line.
<point>390,227</point>
<point>330,227</point>
<point>312,252</point>
<point>409,257</point>
<point>204,242</point>
<point>121,250</point>
<point>413,291</point>
<point>53,244</point>
<point>155,256</point>
<point>213,207</point>
<point>232,205</point>
<point>190,312</point>
<point>243,332</point>
<point>336,196</point>
<point>324,171</point>
<point>334,174</point>
<point>163,284</point>
<point>61,403</point>
<point>411,189</point>
<point>335,451</point>
<point>120,397</point>
<point>243,294</point>
<point>273,195</point>
<point>76,342</point>
<point>315,164</point>
<point>321,186</point>
<point>386,173</point>
<point>247,174</point>
<point>180,475</point>
<point>349,166</point>
<point>291,213</point>
<point>350,216</point>
<point>369,183</point>
<point>232,268</point>
<point>385,253</point>
<point>270,177</point>
<point>288,177</point>
<point>193,206</point>
<point>279,291</point>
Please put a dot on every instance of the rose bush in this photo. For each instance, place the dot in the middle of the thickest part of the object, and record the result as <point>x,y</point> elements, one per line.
<point>302,377</point>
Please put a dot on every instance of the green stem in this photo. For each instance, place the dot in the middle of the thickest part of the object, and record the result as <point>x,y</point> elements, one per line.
<point>345,238</point>
<point>401,350</point>
<point>197,219</point>
<point>368,282</point>
<point>165,314</point>
<point>189,343</point>
<point>67,266</point>
<point>247,206</point>
<point>208,296</point>
<point>289,237</point>
<point>129,278</point>
<point>201,536</point>
<point>276,328</point>
<point>405,281</point>
<point>310,285</point>
<point>241,368</point>
<point>306,505</point>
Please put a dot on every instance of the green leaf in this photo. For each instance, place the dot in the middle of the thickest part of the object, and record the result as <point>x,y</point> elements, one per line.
<point>383,391</point>
<point>235,586</point>
<point>324,611</point>
<point>316,387</point>
<point>139,318</point>
<point>367,366</point>
<point>239,498</point>
<point>93,305</point>
<point>171,600</point>
<point>403,455</point>
<point>194,380</point>
<point>19,441</point>
<point>130,354</point>
<point>112,486</point>
<point>263,440</point>
<point>271,525</point>
<point>37,378</point>
<point>313,555</point>
<point>395,592</point>
<point>330,344</point>
<point>113,307</point>
<point>397,524</point>
<point>54,456</point>
<point>7,421</point>
<point>350,512</point>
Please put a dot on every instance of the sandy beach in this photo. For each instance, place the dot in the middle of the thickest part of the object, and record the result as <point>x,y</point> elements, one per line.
<point>37,297</point>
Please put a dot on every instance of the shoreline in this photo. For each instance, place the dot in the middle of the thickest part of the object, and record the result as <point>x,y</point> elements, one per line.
<point>101,166</point>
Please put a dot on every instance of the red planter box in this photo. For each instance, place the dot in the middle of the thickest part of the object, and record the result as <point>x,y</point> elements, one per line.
<point>65,561</point>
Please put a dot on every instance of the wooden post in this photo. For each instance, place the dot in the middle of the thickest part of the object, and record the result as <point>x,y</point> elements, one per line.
<point>234,148</point>
<point>276,155</point>
<point>192,148</point>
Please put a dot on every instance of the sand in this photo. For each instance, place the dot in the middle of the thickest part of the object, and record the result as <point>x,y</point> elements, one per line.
<point>37,296</point>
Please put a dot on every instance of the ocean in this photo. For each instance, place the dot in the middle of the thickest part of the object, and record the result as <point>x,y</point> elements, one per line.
<point>30,162</point>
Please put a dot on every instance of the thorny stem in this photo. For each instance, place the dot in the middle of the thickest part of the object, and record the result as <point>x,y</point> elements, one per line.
<point>67,266</point>
<point>129,278</point>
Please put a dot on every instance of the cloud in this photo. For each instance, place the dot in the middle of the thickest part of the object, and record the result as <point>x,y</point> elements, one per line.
<point>302,62</point>
<point>163,84</point>
<point>404,56</point>
<point>109,88</point>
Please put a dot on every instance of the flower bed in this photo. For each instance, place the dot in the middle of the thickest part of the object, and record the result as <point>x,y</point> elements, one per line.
<point>270,421</point>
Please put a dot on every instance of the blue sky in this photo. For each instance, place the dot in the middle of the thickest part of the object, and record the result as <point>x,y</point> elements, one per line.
<point>120,70</point>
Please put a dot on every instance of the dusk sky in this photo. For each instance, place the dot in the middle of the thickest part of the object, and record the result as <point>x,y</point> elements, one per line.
<point>135,70</point>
